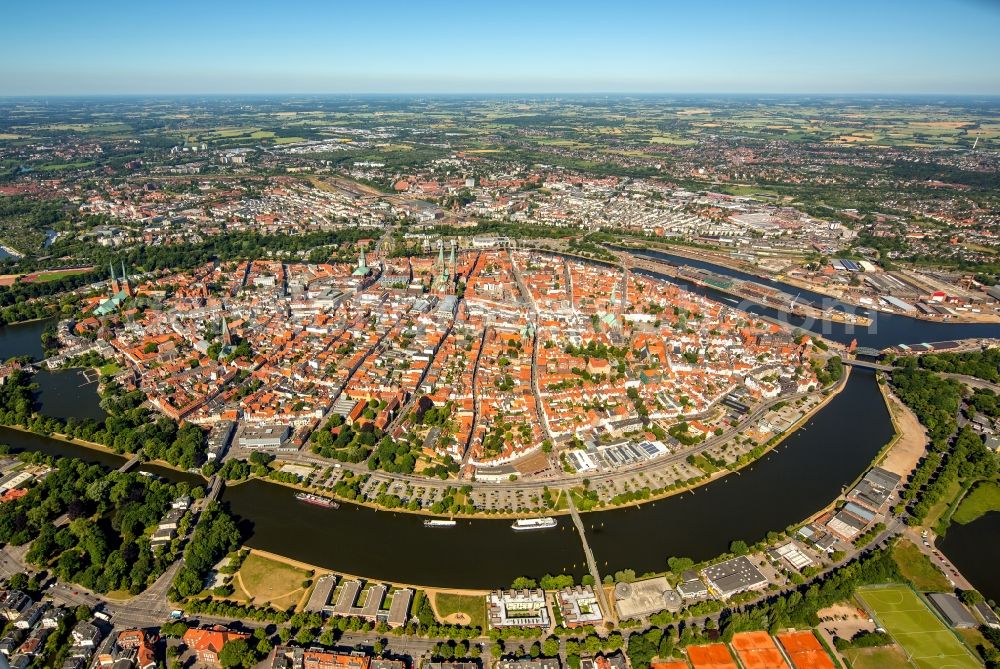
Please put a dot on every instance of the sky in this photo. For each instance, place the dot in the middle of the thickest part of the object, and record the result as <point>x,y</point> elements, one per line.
<point>50,47</point>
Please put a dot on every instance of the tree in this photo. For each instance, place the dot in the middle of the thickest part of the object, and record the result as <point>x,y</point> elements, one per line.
<point>970,597</point>
<point>739,547</point>
<point>237,653</point>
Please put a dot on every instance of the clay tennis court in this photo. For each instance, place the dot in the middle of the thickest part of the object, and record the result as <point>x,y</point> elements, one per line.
<point>805,650</point>
<point>712,656</point>
<point>757,650</point>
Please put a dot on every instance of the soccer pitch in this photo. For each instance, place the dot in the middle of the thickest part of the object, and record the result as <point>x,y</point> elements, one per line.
<point>924,637</point>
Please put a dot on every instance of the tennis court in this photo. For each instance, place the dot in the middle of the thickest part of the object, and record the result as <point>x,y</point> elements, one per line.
<point>926,639</point>
<point>711,656</point>
<point>757,650</point>
<point>805,650</point>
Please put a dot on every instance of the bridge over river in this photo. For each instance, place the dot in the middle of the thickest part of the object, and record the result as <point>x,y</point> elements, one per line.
<point>866,364</point>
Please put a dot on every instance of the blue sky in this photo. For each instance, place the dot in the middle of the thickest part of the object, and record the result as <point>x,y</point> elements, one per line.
<point>218,46</point>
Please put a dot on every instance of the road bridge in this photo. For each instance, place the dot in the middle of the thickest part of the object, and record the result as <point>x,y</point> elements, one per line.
<point>214,488</point>
<point>865,364</point>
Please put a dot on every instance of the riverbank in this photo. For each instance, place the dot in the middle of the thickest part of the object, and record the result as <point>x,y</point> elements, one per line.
<point>567,489</point>
<point>101,448</point>
<point>322,571</point>
<point>730,263</point>
<point>910,443</point>
<point>58,436</point>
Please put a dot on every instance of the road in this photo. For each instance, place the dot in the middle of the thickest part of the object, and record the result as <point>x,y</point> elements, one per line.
<point>937,558</point>
<point>972,381</point>
<point>541,417</point>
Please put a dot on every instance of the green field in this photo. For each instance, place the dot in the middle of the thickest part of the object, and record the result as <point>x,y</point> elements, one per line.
<point>984,498</point>
<point>472,609</point>
<point>924,637</point>
<point>45,277</point>
<point>882,657</point>
<point>917,568</point>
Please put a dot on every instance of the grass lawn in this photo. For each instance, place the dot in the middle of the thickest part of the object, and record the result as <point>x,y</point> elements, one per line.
<point>265,581</point>
<point>922,634</point>
<point>109,369</point>
<point>883,657</point>
<point>917,568</point>
<point>446,604</point>
<point>973,638</point>
<point>119,595</point>
<point>938,510</point>
<point>985,497</point>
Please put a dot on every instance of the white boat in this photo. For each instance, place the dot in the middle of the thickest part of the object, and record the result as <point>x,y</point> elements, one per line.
<point>439,523</point>
<point>533,524</point>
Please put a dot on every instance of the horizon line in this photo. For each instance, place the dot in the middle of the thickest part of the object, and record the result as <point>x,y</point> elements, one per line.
<point>6,96</point>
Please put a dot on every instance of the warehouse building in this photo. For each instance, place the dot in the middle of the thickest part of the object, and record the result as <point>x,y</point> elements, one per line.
<point>733,577</point>
<point>952,610</point>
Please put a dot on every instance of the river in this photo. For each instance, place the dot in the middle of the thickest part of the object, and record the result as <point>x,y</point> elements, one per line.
<point>803,475</point>
<point>800,477</point>
<point>885,330</point>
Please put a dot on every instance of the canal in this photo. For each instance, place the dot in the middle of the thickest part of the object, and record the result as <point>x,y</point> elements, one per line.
<point>885,330</point>
<point>975,549</point>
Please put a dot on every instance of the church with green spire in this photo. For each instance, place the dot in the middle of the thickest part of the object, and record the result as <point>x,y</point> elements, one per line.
<point>120,290</point>
<point>363,269</point>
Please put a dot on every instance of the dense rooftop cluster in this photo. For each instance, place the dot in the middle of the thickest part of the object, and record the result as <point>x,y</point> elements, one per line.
<point>477,358</point>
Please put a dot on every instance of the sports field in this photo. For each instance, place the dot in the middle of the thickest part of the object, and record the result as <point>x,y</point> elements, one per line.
<point>757,651</point>
<point>804,650</point>
<point>924,637</point>
<point>711,656</point>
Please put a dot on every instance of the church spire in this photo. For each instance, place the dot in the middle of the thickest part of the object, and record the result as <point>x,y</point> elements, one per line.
<point>227,336</point>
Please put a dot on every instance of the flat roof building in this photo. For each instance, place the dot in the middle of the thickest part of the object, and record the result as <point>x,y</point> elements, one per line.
<point>733,577</point>
<point>218,439</point>
<point>525,663</point>
<point>874,489</point>
<point>579,606</point>
<point>320,596</point>
<point>264,436</point>
<point>643,598</point>
<point>952,610</point>
<point>691,586</point>
<point>517,608</point>
<point>399,609</point>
